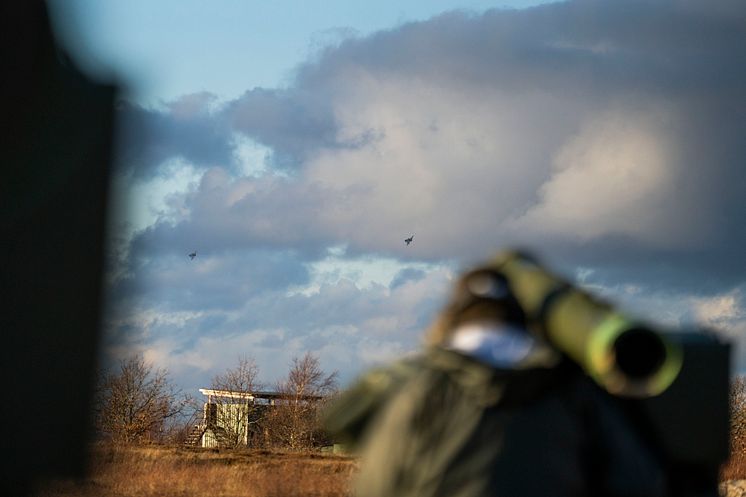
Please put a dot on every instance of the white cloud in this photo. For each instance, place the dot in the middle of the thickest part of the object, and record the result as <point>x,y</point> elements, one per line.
<point>618,176</point>
<point>725,311</point>
<point>251,157</point>
<point>364,271</point>
<point>436,160</point>
<point>726,315</point>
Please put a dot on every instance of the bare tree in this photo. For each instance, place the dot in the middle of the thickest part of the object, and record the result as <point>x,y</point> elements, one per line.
<point>306,378</point>
<point>183,428</point>
<point>135,403</point>
<point>235,410</point>
<point>294,422</point>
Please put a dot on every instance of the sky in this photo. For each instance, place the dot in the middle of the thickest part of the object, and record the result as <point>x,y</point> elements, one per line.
<point>294,145</point>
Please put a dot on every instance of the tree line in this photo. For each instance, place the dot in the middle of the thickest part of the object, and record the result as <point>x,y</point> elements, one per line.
<point>138,403</point>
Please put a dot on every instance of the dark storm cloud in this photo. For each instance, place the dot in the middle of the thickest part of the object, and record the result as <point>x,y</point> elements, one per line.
<point>604,135</point>
<point>185,128</point>
<point>293,123</point>
<point>210,282</point>
<point>237,214</point>
<point>589,49</point>
<point>675,70</point>
<point>533,84</point>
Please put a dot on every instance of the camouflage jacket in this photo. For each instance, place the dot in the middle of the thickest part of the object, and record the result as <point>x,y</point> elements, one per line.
<point>442,424</point>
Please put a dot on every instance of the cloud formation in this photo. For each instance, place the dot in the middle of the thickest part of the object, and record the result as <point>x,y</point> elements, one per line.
<point>606,135</point>
<point>186,128</point>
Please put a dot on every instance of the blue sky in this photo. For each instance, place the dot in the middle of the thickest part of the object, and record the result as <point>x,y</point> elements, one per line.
<point>295,145</point>
<point>170,48</point>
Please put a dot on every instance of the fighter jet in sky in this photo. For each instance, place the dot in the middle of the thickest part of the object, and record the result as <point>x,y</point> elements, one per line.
<point>409,240</point>
<point>192,255</point>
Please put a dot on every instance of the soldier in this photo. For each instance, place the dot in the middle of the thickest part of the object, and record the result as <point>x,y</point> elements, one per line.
<point>491,409</point>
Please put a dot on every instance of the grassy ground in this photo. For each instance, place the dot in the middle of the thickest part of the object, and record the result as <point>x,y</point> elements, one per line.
<point>184,472</point>
<point>735,467</point>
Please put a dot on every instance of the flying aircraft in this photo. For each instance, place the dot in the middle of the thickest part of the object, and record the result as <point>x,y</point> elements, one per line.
<point>409,240</point>
<point>192,255</point>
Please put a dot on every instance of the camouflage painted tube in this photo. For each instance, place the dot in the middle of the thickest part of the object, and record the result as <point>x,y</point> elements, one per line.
<point>624,356</point>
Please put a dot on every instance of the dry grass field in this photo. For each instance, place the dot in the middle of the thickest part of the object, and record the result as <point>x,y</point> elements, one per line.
<point>734,468</point>
<point>733,476</point>
<point>184,472</point>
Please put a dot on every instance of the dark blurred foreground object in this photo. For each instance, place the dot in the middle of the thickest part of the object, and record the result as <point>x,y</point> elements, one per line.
<point>530,386</point>
<point>57,132</point>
